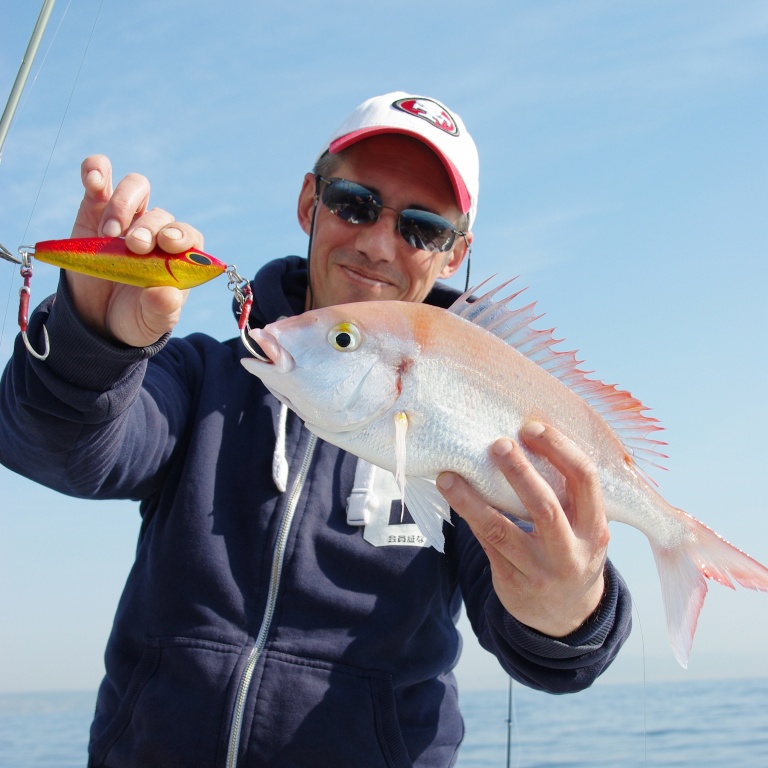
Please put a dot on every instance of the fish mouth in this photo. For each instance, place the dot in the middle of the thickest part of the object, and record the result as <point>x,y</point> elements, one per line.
<point>274,353</point>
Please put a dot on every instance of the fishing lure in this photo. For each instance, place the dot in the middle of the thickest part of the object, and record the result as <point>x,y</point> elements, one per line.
<point>108,258</point>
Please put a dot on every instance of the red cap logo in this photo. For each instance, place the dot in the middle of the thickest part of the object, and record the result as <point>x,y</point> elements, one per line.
<point>431,111</point>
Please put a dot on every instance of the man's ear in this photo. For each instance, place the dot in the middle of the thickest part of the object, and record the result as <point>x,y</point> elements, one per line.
<point>306,202</point>
<point>456,256</point>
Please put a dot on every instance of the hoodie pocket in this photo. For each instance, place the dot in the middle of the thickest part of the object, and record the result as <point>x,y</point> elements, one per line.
<point>174,710</point>
<point>314,713</point>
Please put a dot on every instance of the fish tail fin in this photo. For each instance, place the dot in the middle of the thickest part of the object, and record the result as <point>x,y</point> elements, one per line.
<point>684,570</point>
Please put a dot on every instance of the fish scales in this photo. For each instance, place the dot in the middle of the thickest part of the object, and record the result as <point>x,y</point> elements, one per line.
<point>475,388</point>
<point>464,399</point>
<point>419,390</point>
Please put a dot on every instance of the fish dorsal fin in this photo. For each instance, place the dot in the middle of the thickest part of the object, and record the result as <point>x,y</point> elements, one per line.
<point>619,408</point>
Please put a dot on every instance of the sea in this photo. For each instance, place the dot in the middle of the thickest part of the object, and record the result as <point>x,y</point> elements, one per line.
<point>692,723</point>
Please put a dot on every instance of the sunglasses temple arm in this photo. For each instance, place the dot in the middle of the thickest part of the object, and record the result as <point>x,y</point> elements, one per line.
<point>469,260</point>
<point>311,295</point>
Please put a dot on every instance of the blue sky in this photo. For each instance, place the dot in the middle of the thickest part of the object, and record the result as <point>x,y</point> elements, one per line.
<point>624,176</point>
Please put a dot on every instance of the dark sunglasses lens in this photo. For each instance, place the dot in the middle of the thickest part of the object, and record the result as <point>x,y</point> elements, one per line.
<point>351,202</point>
<point>426,231</point>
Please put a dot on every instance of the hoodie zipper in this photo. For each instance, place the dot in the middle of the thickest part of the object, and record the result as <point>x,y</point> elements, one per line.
<point>274,586</point>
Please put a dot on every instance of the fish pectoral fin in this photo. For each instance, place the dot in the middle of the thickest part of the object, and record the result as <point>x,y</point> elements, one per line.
<point>401,429</point>
<point>428,509</point>
<point>426,504</point>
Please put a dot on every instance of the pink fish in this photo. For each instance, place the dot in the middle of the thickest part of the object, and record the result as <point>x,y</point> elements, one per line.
<point>419,390</point>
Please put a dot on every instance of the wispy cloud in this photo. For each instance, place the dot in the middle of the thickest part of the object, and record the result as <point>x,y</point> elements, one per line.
<point>622,48</point>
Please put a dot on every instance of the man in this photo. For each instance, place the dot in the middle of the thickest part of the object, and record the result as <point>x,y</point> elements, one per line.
<point>265,621</point>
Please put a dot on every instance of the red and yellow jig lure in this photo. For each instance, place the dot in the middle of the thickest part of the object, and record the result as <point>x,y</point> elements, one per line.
<point>109,258</point>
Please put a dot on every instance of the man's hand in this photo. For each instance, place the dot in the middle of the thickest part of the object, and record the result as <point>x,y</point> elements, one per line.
<point>134,316</point>
<point>552,578</point>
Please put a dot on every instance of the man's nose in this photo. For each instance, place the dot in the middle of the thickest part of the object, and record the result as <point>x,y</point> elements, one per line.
<point>380,240</point>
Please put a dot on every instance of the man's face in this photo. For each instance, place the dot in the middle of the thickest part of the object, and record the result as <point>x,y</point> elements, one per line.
<point>364,262</point>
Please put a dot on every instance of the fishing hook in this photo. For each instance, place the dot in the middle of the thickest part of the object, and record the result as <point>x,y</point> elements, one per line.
<point>32,351</point>
<point>237,284</point>
<point>244,297</point>
<point>26,251</point>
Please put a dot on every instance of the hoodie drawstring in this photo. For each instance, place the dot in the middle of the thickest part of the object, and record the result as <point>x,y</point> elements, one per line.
<point>361,501</point>
<point>279,462</point>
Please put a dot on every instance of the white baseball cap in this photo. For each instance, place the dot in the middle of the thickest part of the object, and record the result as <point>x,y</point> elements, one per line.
<point>425,119</point>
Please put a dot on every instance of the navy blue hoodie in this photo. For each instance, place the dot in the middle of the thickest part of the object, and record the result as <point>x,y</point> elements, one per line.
<point>258,627</point>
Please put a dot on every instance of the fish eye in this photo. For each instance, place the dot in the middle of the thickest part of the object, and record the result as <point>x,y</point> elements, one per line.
<point>344,337</point>
<point>199,258</point>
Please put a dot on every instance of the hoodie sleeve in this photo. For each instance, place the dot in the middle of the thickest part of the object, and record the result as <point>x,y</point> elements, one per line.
<point>556,665</point>
<point>81,422</point>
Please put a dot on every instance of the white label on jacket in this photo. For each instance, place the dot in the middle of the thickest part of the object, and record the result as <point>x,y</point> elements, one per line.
<point>375,503</point>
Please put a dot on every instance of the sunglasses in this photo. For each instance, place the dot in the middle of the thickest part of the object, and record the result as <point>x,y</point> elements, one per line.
<point>355,204</point>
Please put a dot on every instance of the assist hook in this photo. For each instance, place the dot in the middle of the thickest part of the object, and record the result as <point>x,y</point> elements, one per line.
<point>237,284</point>
<point>26,252</point>
<point>244,297</point>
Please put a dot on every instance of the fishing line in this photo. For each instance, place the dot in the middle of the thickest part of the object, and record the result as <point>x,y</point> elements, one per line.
<point>66,110</point>
<point>7,305</point>
<point>645,688</point>
<point>25,94</point>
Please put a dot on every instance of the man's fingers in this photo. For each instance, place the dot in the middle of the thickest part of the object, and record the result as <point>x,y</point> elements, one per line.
<point>104,211</point>
<point>531,488</point>
<point>158,227</point>
<point>129,201</point>
<point>179,236</point>
<point>491,527</point>
<point>570,460</point>
<point>124,211</point>
<point>141,236</point>
<point>580,472</point>
<point>96,175</point>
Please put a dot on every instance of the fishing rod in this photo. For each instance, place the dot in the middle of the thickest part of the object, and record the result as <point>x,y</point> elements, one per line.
<point>23,74</point>
<point>5,125</point>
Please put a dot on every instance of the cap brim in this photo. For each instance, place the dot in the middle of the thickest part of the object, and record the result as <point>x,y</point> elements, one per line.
<point>459,188</point>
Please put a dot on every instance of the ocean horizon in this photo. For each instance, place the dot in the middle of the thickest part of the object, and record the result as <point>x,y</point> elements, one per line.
<point>697,722</point>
